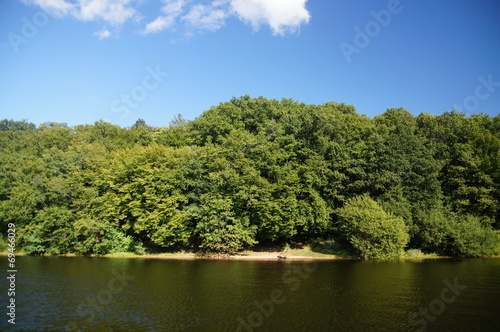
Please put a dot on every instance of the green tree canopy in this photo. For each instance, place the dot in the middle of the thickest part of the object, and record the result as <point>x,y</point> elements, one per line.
<point>372,231</point>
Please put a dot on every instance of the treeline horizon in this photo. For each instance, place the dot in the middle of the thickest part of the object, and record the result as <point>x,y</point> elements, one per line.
<point>256,171</point>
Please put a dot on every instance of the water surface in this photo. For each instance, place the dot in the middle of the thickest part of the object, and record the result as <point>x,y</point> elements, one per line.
<point>133,294</point>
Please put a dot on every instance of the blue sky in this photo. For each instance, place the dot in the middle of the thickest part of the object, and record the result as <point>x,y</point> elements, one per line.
<point>79,61</point>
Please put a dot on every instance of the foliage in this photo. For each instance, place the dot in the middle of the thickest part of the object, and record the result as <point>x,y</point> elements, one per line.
<point>3,243</point>
<point>94,237</point>
<point>372,231</point>
<point>219,229</point>
<point>256,170</point>
<point>414,253</point>
<point>470,238</point>
<point>432,230</point>
<point>332,247</point>
<point>34,244</point>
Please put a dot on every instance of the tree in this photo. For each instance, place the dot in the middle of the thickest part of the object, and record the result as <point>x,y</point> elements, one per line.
<point>373,232</point>
<point>432,230</point>
<point>471,238</point>
<point>256,169</point>
<point>219,229</point>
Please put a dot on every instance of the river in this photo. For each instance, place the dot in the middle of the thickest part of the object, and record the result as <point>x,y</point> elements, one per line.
<point>134,294</point>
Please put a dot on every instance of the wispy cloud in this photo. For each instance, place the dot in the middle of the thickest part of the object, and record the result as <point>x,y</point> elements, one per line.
<point>159,24</point>
<point>282,16</point>
<point>111,12</point>
<point>114,12</point>
<point>203,17</point>
<point>103,34</point>
<point>171,10</point>
<point>57,8</point>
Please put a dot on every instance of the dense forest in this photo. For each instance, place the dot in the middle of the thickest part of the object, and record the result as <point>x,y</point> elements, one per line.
<point>256,171</point>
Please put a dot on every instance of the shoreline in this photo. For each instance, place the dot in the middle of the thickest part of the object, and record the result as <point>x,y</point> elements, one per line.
<point>243,256</point>
<point>246,255</point>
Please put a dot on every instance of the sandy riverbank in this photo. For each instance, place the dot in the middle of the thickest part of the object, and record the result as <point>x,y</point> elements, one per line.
<point>245,255</point>
<point>293,254</point>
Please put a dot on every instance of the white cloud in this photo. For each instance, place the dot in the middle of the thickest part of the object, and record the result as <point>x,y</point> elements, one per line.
<point>103,34</point>
<point>161,23</point>
<point>172,9</point>
<point>115,12</point>
<point>203,17</point>
<point>283,16</point>
<point>58,8</point>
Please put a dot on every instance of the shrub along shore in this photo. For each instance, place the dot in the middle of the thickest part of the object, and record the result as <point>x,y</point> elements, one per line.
<point>256,172</point>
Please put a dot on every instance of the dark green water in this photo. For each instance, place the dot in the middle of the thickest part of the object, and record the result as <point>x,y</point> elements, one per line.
<point>119,294</point>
